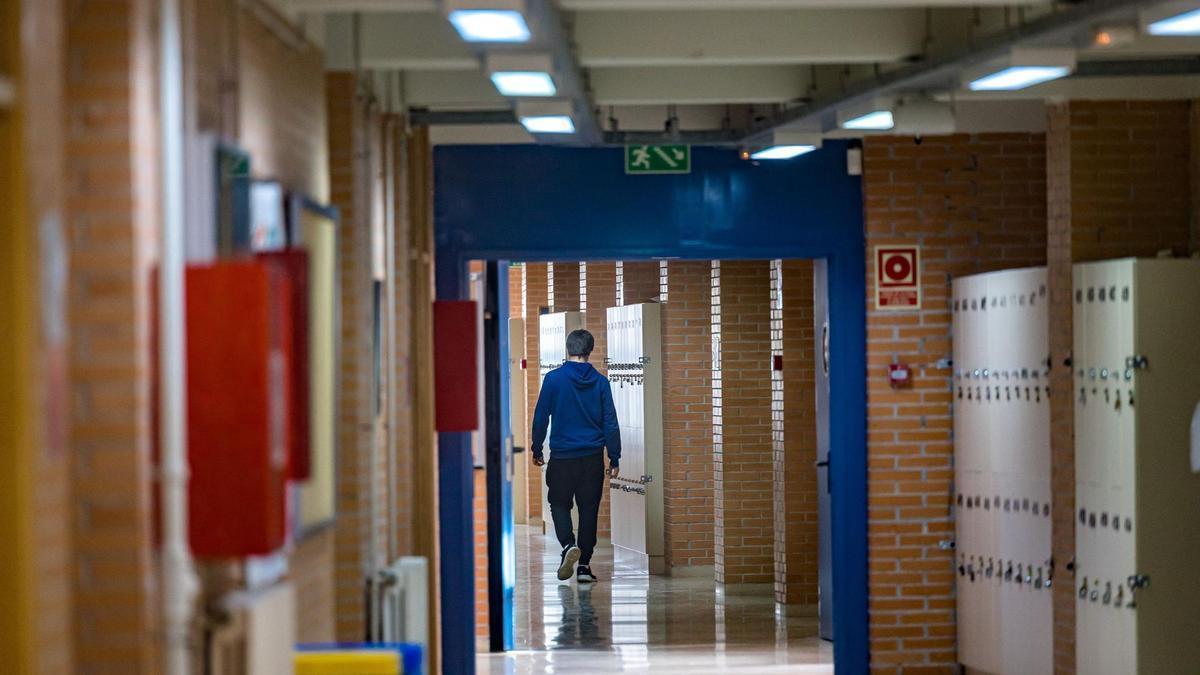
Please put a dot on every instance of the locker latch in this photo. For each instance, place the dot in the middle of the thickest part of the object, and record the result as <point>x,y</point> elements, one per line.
<point>1137,362</point>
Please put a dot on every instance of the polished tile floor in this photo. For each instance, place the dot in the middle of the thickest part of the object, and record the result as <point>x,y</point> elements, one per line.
<point>634,622</point>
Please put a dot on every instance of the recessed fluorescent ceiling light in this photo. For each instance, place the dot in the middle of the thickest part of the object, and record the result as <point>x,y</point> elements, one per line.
<point>524,84</point>
<point>490,25</point>
<point>783,151</point>
<point>1018,77</point>
<point>549,124</point>
<point>878,120</point>
<point>1187,23</point>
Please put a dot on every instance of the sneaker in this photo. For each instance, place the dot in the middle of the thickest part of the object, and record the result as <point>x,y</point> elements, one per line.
<point>570,556</point>
<point>584,575</point>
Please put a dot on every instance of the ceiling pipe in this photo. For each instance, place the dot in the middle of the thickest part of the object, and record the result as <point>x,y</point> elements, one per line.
<point>941,72</point>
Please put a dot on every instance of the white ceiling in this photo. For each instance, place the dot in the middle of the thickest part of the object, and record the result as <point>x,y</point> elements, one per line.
<point>716,59</point>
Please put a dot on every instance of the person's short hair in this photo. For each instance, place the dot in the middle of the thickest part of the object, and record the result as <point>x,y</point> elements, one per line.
<point>580,343</point>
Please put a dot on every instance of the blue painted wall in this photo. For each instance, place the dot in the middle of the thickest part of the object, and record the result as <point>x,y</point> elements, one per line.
<point>553,203</point>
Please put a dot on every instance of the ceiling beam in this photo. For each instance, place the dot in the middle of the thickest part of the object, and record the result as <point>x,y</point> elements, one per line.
<point>441,89</point>
<point>695,85</point>
<point>942,72</point>
<point>743,38</point>
<point>396,41</point>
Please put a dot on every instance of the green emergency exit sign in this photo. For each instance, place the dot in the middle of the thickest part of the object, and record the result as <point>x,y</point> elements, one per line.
<point>652,159</point>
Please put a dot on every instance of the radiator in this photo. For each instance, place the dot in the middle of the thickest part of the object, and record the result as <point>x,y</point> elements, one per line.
<point>257,635</point>
<point>399,603</point>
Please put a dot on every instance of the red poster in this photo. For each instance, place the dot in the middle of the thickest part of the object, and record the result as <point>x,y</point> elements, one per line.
<point>897,277</point>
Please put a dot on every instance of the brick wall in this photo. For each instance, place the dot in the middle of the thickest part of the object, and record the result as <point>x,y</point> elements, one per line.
<point>1118,184</point>
<point>536,298</point>
<point>640,282</point>
<point>973,204</point>
<point>111,221</point>
<point>565,290</point>
<point>270,91</point>
<point>744,518</point>
<point>282,122</point>
<point>687,349</point>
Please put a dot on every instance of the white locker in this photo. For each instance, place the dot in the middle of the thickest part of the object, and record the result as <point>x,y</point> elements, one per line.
<point>518,420</point>
<point>1002,469</point>
<point>1136,367</point>
<point>553,330</point>
<point>635,373</point>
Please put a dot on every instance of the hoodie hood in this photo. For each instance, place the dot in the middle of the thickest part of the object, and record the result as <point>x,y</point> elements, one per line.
<point>582,375</point>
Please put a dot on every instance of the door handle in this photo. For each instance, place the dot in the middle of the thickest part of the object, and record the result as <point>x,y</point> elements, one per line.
<point>828,475</point>
<point>518,449</point>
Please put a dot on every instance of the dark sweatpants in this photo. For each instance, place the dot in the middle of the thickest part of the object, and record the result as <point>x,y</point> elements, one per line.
<point>580,479</point>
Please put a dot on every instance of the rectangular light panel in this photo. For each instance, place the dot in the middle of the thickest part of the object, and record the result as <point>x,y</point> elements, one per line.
<point>549,124</point>
<point>524,84</point>
<point>1187,23</point>
<point>1018,77</point>
<point>880,120</point>
<point>490,25</point>
<point>783,151</point>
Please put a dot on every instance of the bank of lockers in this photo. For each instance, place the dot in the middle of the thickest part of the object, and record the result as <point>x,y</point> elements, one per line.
<point>553,330</point>
<point>635,374</point>
<point>1136,364</point>
<point>1002,470</point>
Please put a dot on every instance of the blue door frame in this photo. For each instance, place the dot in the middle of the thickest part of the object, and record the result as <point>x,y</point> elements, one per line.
<point>551,203</point>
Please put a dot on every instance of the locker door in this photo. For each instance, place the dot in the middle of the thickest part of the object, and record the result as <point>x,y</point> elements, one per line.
<point>520,421</point>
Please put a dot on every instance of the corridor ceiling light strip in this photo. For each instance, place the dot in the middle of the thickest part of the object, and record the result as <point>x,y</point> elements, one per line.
<point>1187,23</point>
<point>1021,69</point>
<point>488,20</point>
<point>878,120</point>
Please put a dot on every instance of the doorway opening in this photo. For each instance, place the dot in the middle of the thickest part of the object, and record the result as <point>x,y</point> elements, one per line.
<point>713,535</point>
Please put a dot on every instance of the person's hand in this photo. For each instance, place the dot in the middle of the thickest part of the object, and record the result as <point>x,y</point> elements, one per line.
<point>614,471</point>
<point>538,460</point>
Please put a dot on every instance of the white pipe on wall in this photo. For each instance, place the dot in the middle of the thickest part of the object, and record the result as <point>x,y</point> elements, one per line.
<point>179,578</point>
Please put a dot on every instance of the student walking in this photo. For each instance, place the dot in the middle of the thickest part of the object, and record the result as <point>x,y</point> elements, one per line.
<point>578,400</point>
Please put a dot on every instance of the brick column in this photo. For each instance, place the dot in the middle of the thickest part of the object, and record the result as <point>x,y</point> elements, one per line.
<point>744,518</point>
<point>112,174</point>
<point>688,485</point>
<point>796,503</point>
<point>536,300</point>
<point>1131,150</point>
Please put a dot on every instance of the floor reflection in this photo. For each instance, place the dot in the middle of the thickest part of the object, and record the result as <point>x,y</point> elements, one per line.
<point>633,621</point>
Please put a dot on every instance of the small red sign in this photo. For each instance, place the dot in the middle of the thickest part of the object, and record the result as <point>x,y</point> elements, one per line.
<point>897,277</point>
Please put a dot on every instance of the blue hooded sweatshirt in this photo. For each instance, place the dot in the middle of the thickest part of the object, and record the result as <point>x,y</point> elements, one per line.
<point>580,401</point>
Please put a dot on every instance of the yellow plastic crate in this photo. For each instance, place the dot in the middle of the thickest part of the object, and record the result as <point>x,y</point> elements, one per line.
<point>350,662</point>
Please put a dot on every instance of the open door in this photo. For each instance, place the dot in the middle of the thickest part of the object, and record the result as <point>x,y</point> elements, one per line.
<point>518,420</point>
<point>824,486</point>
